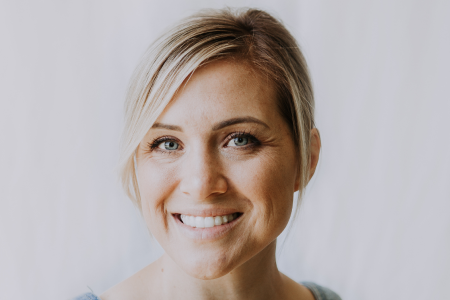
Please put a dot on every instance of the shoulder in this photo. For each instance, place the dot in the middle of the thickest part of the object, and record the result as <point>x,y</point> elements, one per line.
<point>130,288</point>
<point>88,296</point>
<point>140,285</point>
<point>320,292</point>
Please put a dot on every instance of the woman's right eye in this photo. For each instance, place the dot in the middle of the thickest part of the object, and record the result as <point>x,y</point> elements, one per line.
<point>238,141</point>
<point>169,145</point>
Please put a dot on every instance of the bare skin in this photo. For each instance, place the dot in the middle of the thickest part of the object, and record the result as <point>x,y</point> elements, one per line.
<point>220,146</point>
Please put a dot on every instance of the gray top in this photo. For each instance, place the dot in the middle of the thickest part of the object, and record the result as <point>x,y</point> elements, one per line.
<point>319,292</point>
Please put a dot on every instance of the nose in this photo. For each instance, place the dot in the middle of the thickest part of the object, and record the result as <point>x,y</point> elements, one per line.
<point>203,176</point>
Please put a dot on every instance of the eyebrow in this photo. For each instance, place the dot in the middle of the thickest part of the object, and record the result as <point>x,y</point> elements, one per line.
<point>218,126</point>
<point>167,126</point>
<point>234,121</point>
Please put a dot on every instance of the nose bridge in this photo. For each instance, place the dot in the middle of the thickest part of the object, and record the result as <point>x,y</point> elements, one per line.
<point>202,176</point>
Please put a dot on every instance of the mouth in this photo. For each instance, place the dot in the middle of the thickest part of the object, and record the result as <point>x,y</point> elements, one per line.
<point>207,222</point>
<point>207,226</point>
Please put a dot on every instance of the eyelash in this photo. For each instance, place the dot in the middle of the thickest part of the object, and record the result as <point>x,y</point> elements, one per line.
<point>253,141</point>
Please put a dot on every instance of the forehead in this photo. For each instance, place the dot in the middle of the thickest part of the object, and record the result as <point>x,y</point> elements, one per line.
<point>219,90</point>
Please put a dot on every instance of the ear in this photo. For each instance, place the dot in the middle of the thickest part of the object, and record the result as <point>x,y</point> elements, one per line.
<point>314,151</point>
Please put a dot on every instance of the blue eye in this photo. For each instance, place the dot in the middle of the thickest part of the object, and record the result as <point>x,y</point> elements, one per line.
<point>169,145</point>
<point>238,141</point>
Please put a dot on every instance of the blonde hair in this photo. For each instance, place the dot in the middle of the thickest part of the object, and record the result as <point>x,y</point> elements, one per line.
<point>251,35</point>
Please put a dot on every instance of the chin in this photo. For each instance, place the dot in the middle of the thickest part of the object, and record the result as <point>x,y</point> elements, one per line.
<point>204,266</point>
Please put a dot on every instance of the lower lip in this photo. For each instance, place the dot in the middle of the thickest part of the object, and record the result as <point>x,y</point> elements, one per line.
<point>210,233</point>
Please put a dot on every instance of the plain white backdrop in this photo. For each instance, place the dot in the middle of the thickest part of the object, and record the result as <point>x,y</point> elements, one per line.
<point>375,221</point>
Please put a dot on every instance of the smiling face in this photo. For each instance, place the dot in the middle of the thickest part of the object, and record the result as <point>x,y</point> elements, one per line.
<point>220,150</point>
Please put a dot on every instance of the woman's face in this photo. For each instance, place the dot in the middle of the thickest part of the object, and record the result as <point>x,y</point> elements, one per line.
<point>220,148</point>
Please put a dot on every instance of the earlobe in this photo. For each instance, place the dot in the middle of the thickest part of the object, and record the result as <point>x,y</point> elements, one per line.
<point>315,145</point>
<point>297,186</point>
<point>298,178</point>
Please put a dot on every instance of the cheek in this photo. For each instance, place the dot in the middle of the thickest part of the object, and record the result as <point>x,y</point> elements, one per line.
<point>268,182</point>
<point>156,183</point>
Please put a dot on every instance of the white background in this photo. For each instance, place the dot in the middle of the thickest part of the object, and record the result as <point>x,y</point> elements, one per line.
<point>375,223</point>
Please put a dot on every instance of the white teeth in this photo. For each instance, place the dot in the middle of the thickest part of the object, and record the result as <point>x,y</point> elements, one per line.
<point>199,222</point>
<point>225,219</point>
<point>207,222</point>
<point>218,220</point>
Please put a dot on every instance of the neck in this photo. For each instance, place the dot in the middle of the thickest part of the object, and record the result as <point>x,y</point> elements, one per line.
<point>257,278</point>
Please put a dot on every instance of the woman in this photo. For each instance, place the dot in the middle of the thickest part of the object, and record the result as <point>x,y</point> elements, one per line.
<point>219,135</point>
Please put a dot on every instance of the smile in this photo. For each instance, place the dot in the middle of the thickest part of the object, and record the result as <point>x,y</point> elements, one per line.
<point>207,228</point>
<point>208,222</point>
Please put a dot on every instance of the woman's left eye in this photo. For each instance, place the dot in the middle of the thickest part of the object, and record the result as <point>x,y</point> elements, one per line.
<point>169,145</point>
<point>238,141</point>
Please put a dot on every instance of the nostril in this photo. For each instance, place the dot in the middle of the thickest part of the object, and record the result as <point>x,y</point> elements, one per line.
<point>202,185</point>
